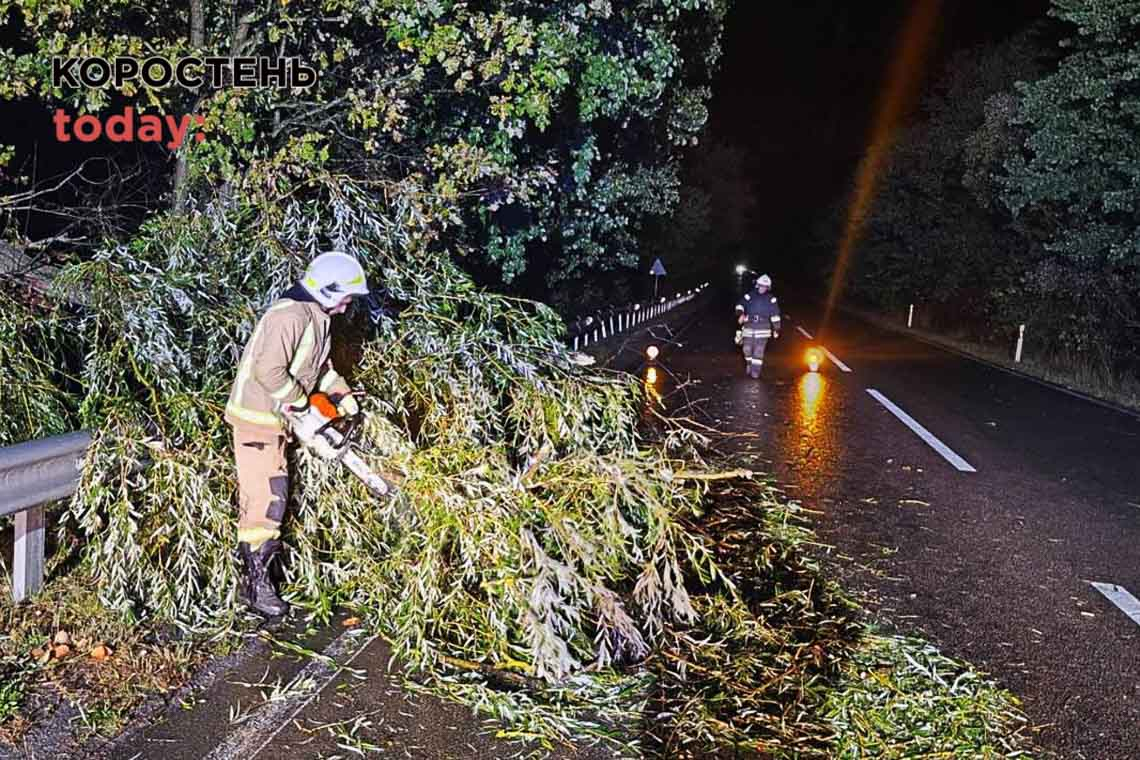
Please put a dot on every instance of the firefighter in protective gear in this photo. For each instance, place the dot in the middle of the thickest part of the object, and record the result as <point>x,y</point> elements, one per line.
<point>758,315</point>
<point>285,360</point>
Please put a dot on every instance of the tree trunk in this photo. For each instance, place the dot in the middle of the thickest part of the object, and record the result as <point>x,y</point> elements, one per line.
<point>197,42</point>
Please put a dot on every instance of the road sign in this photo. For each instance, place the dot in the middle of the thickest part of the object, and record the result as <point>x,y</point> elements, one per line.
<point>658,271</point>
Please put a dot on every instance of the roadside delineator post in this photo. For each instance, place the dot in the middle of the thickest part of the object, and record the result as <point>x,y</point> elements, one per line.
<point>910,317</point>
<point>1020,343</point>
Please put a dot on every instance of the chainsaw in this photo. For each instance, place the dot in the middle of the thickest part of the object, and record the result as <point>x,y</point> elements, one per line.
<point>329,434</point>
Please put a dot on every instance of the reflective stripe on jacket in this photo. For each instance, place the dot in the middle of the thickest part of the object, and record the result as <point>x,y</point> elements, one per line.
<point>763,314</point>
<point>285,360</point>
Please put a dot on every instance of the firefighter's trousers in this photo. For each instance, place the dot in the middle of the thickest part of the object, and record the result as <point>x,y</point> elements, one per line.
<point>263,484</point>
<point>753,344</point>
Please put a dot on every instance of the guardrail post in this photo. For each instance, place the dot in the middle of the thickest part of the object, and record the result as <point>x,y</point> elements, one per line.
<point>910,317</point>
<point>1020,343</point>
<point>28,557</point>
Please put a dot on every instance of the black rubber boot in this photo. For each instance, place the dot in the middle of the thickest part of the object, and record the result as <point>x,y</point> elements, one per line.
<point>257,587</point>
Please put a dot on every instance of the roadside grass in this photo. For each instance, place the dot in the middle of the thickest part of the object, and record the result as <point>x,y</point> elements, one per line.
<point>65,645</point>
<point>13,693</point>
<point>1098,382</point>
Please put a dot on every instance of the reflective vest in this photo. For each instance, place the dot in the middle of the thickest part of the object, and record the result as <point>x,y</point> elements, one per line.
<point>285,360</point>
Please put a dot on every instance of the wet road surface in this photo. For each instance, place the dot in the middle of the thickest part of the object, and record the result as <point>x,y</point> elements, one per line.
<point>994,565</point>
<point>348,701</point>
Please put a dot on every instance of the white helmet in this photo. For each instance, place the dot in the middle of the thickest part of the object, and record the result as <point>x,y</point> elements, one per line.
<point>332,276</point>
<point>764,280</point>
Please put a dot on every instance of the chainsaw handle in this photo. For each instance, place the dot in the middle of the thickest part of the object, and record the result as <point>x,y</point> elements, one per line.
<point>349,428</point>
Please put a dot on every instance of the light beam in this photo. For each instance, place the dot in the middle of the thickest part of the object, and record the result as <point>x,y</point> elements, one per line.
<point>903,81</point>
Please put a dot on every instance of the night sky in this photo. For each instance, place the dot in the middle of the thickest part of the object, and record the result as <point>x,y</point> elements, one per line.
<point>799,89</point>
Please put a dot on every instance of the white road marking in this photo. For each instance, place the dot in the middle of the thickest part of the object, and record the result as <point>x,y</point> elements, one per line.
<point>255,734</point>
<point>835,360</point>
<point>947,453</point>
<point>1119,596</point>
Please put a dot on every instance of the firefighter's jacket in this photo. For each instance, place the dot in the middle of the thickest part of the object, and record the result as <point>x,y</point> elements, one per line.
<point>763,314</point>
<point>285,360</point>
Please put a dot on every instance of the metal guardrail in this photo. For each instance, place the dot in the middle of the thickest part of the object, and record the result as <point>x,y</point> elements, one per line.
<point>608,322</point>
<point>33,474</point>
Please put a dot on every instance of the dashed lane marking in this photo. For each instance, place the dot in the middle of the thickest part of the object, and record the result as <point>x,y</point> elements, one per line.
<point>1119,596</point>
<point>947,453</point>
<point>835,360</point>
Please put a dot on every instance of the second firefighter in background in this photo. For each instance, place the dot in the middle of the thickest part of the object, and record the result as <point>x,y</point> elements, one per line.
<point>758,314</point>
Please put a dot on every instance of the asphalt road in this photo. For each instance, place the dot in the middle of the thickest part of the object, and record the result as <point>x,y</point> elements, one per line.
<point>994,565</point>
<point>348,701</point>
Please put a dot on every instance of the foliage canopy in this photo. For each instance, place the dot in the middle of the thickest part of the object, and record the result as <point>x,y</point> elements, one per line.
<point>533,135</point>
<point>1074,186</point>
